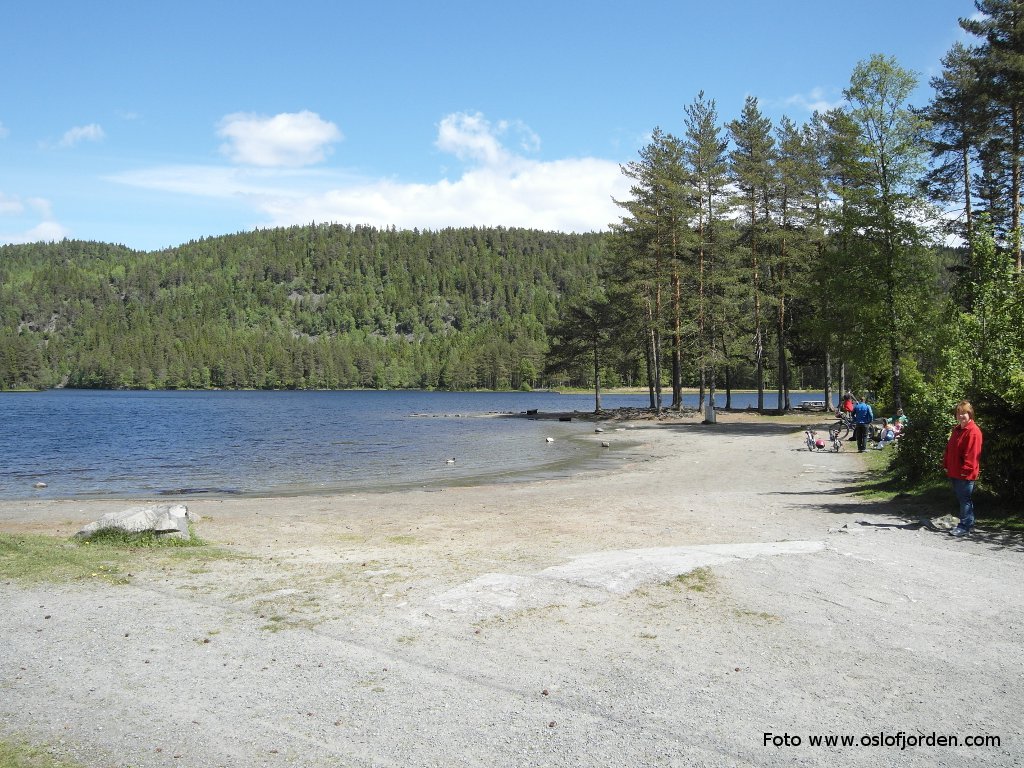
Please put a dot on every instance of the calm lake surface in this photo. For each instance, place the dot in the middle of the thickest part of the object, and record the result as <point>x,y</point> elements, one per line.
<point>96,444</point>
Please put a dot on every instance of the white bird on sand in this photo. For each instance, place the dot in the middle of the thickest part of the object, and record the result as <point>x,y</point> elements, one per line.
<point>549,439</point>
<point>449,461</point>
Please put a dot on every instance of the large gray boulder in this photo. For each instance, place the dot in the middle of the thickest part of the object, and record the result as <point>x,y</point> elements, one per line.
<point>163,519</point>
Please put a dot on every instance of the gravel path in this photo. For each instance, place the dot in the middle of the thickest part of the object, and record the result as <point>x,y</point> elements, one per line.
<point>721,600</point>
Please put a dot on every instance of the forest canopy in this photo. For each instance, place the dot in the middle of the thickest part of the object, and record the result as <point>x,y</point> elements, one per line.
<point>321,306</point>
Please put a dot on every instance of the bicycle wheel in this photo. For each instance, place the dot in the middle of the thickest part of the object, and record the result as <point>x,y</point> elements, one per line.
<point>842,427</point>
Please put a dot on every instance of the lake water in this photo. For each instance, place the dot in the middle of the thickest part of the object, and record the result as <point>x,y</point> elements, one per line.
<point>96,444</point>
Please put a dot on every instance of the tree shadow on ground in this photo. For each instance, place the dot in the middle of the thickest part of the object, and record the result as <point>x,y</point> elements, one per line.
<point>916,512</point>
<point>740,429</point>
<point>930,512</point>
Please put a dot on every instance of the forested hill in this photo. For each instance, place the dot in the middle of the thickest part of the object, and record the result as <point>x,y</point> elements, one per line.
<point>303,307</point>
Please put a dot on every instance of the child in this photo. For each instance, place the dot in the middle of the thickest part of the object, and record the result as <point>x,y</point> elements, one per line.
<point>886,435</point>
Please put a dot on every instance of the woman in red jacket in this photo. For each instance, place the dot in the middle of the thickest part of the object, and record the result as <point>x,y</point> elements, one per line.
<point>961,462</point>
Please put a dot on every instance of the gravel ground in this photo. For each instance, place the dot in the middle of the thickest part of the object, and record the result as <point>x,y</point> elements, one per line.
<point>721,599</point>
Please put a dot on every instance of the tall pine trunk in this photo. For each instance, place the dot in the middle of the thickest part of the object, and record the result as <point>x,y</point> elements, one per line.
<point>1015,138</point>
<point>677,342</point>
<point>784,403</point>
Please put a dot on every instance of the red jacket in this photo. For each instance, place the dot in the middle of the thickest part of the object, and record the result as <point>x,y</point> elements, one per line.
<point>963,451</point>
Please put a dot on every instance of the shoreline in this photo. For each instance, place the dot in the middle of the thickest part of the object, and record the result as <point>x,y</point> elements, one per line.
<point>104,449</point>
<point>593,459</point>
<point>727,584</point>
<point>626,425</point>
<point>39,514</point>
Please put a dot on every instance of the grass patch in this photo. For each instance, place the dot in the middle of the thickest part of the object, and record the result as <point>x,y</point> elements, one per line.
<point>275,623</point>
<point>105,556</point>
<point>23,755</point>
<point>933,496</point>
<point>279,623</point>
<point>115,537</point>
<point>761,616</point>
<point>878,461</point>
<point>989,513</point>
<point>400,539</point>
<point>697,580</point>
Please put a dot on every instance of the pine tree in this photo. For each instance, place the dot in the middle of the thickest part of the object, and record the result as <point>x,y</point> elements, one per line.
<point>753,173</point>
<point>706,162</point>
<point>650,240</point>
<point>797,211</point>
<point>957,117</point>
<point>1001,54</point>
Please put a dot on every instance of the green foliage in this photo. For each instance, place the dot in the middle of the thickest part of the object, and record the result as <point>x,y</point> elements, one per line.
<point>918,453</point>
<point>317,307</point>
<point>995,86</point>
<point>983,361</point>
<point>106,556</point>
<point>581,339</point>
<point>651,247</point>
<point>115,537</point>
<point>882,209</point>
<point>19,754</point>
<point>34,559</point>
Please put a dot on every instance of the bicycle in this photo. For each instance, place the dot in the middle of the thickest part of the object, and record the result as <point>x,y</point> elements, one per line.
<point>813,442</point>
<point>835,439</point>
<point>843,425</point>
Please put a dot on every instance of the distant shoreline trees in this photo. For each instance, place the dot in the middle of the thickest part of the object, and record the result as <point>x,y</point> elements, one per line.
<point>316,307</point>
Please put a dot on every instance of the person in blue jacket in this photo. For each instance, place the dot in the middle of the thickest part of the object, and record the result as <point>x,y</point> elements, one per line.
<point>862,418</point>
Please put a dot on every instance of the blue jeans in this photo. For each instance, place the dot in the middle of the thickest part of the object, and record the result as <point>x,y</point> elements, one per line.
<point>860,431</point>
<point>963,490</point>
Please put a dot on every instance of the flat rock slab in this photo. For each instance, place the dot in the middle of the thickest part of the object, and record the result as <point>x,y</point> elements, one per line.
<point>162,519</point>
<point>603,575</point>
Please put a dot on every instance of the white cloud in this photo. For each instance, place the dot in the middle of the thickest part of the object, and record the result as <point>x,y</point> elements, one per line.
<point>496,187</point>
<point>567,196</point>
<point>204,180</point>
<point>4,133</point>
<point>499,187</point>
<point>471,137</point>
<point>16,206</point>
<point>28,220</point>
<point>78,134</point>
<point>45,232</point>
<point>285,140</point>
<point>41,207</point>
<point>11,206</point>
<point>814,101</point>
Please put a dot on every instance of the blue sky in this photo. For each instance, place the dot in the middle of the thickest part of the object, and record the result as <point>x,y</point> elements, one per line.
<point>154,124</point>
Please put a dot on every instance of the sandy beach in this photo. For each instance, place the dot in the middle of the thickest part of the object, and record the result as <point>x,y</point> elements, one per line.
<point>722,600</point>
